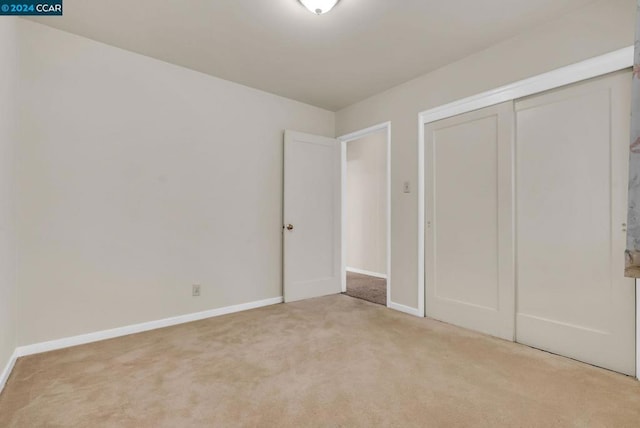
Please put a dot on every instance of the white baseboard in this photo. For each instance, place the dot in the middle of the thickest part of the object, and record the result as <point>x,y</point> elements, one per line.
<point>366,272</point>
<point>406,309</point>
<point>97,336</point>
<point>82,339</point>
<point>7,370</point>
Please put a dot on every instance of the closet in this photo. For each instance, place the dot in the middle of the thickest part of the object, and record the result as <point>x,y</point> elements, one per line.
<point>525,208</point>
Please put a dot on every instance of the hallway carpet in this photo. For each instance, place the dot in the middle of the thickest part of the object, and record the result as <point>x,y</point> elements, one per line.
<point>327,362</point>
<point>367,288</point>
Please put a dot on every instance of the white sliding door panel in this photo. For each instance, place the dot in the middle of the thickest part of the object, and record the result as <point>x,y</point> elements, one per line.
<point>571,169</point>
<point>469,259</point>
<point>312,216</point>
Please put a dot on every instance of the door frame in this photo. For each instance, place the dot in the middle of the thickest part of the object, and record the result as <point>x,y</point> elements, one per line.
<point>343,180</point>
<point>584,70</point>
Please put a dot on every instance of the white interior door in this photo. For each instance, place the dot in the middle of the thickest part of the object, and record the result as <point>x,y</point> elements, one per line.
<point>572,165</point>
<point>469,257</point>
<point>312,216</point>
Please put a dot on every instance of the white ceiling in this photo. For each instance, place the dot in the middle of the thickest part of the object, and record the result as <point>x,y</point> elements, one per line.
<point>360,48</point>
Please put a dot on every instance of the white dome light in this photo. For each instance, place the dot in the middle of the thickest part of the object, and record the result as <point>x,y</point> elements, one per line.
<point>319,6</point>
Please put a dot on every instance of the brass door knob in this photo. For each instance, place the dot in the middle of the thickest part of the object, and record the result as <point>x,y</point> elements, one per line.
<point>289,227</point>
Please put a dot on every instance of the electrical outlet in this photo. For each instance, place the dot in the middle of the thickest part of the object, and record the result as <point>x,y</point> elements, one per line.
<point>195,291</point>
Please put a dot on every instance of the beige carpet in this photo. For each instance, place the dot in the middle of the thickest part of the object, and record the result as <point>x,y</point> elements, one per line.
<point>367,287</point>
<point>328,362</point>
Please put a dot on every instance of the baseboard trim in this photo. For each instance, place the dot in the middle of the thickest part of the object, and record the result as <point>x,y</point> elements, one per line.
<point>38,348</point>
<point>366,272</point>
<point>7,370</point>
<point>406,309</point>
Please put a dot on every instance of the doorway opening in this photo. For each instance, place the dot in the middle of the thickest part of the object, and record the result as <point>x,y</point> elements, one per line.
<point>366,214</point>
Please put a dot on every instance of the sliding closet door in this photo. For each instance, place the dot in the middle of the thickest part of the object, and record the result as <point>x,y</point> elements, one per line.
<point>572,157</point>
<point>469,260</point>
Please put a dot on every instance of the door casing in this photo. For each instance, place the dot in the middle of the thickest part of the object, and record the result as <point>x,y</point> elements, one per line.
<point>385,126</point>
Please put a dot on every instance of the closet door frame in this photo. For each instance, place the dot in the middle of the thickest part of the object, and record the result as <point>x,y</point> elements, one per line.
<point>584,70</point>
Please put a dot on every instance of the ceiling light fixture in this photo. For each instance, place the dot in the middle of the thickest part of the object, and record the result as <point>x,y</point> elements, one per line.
<point>319,6</point>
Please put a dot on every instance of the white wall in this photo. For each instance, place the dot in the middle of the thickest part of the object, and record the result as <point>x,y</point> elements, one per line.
<point>600,28</point>
<point>8,76</point>
<point>137,179</point>
<point>366,227</point>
